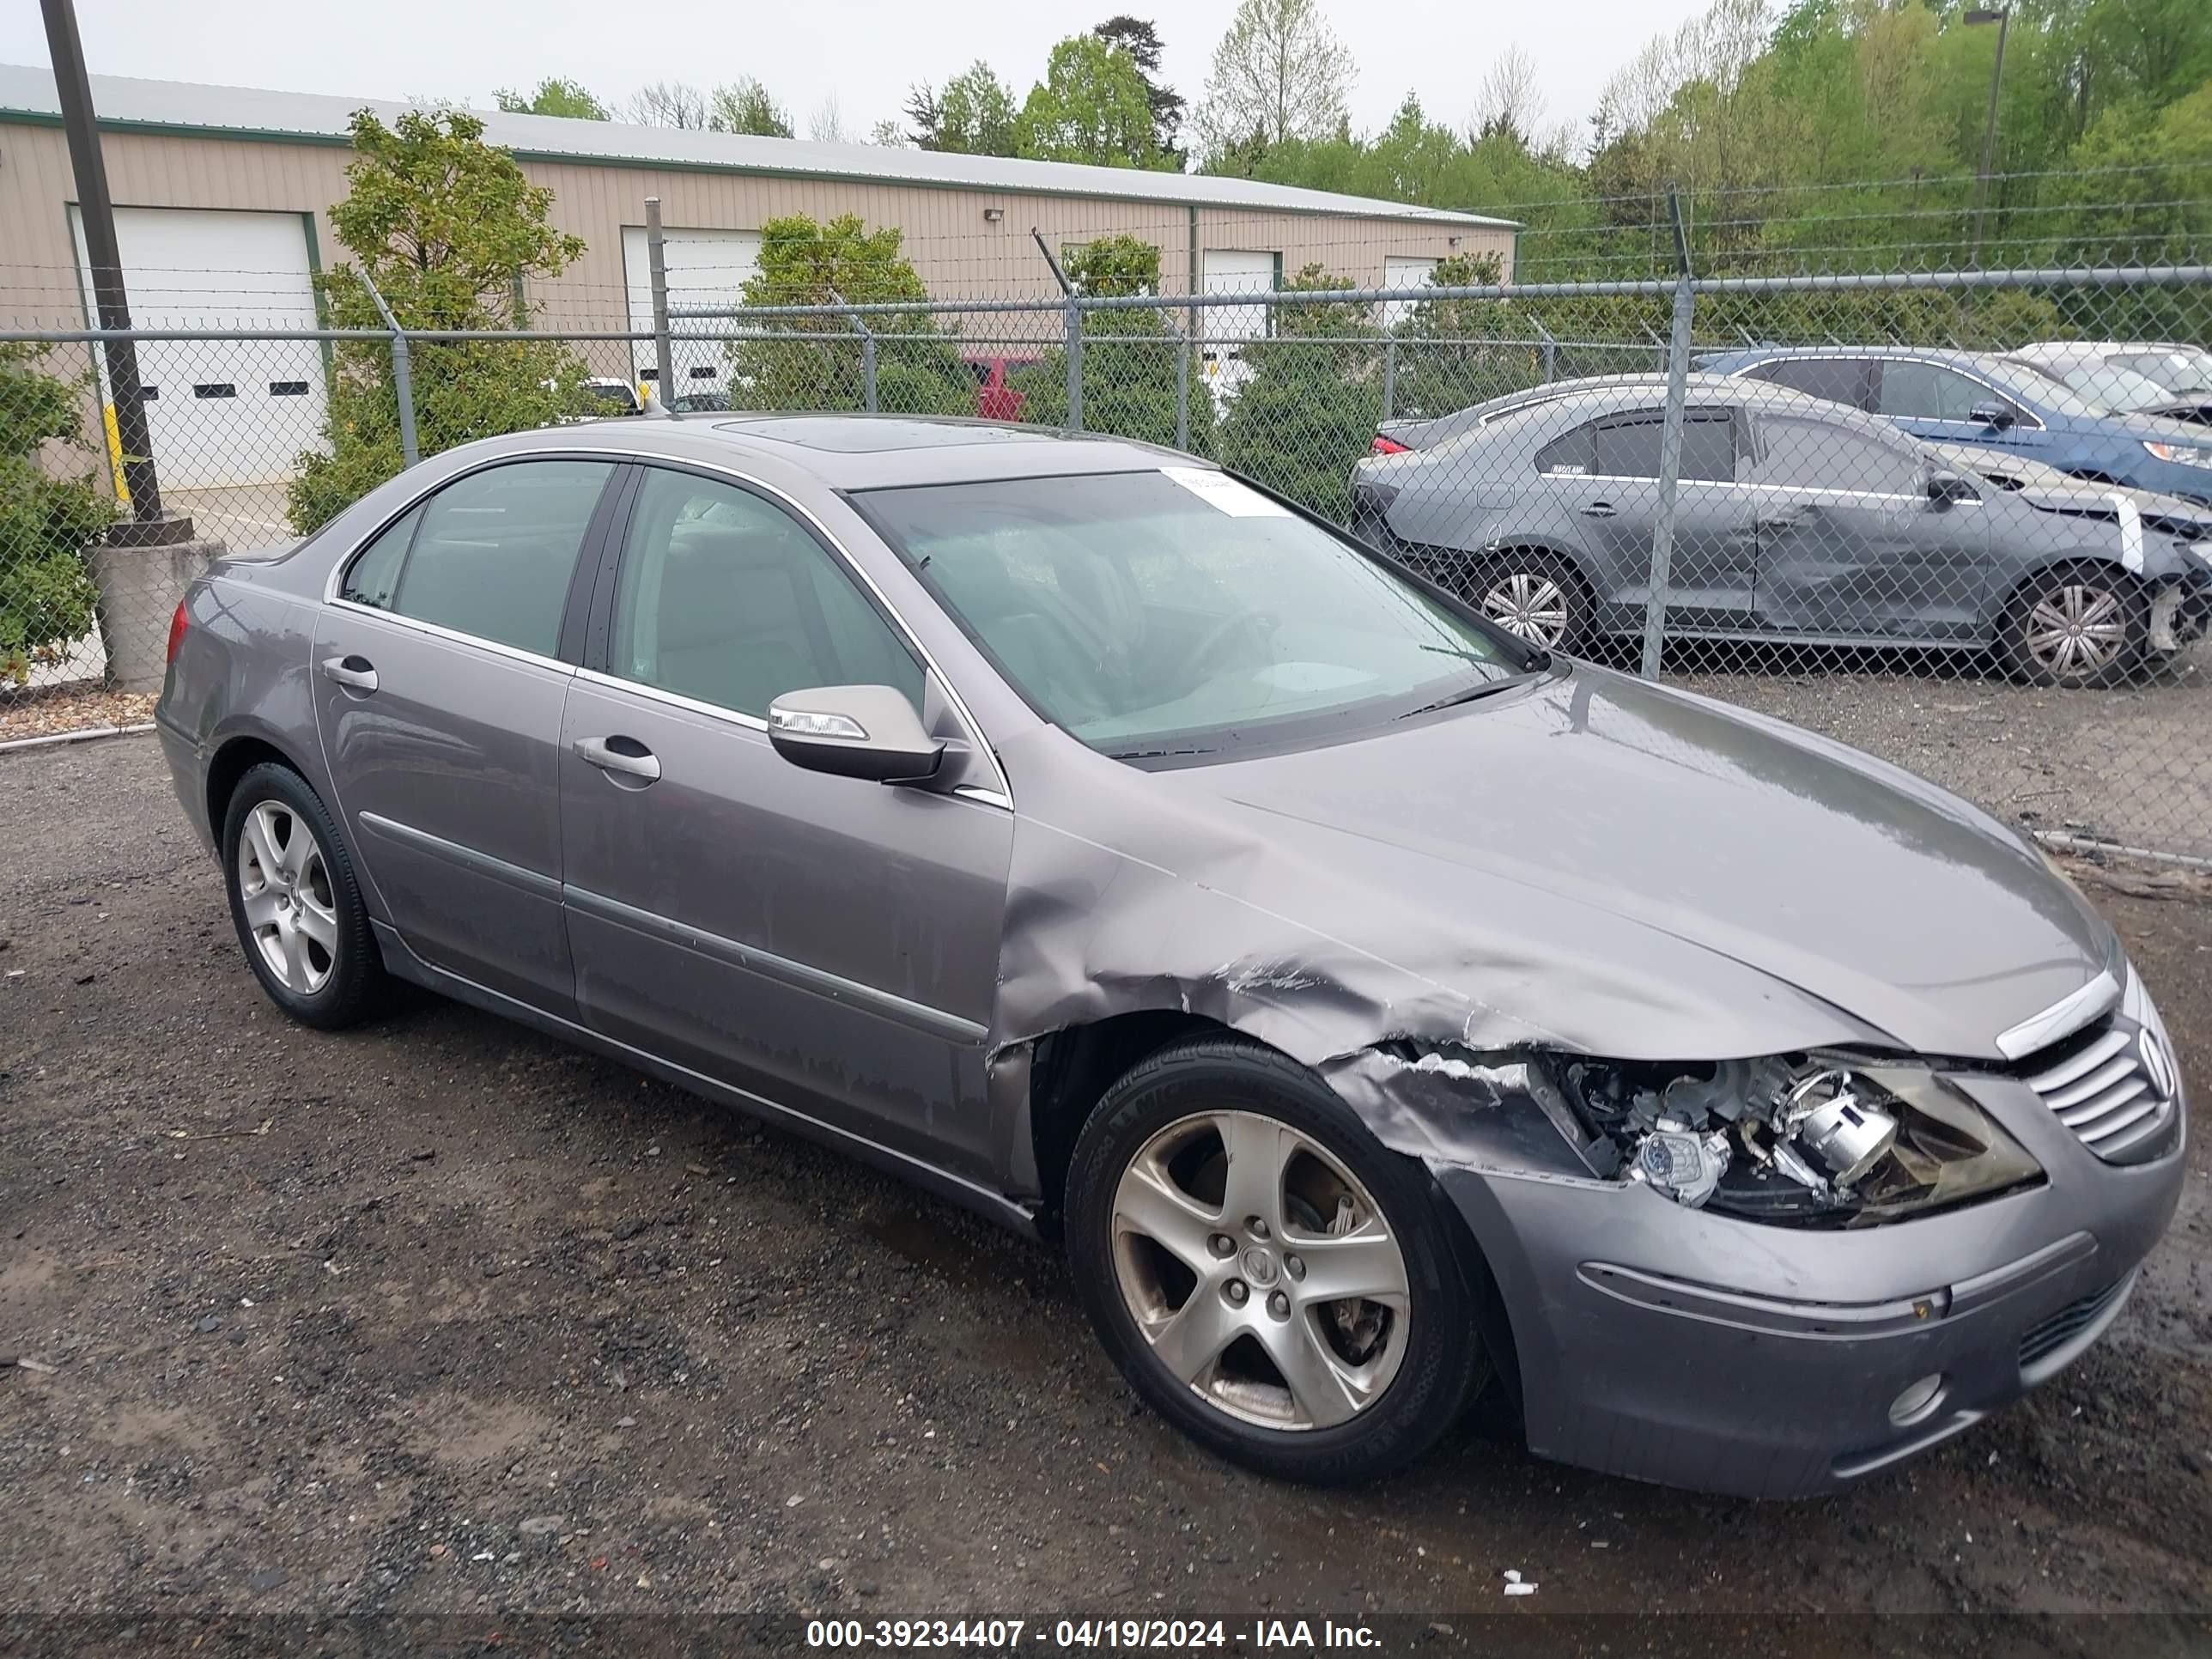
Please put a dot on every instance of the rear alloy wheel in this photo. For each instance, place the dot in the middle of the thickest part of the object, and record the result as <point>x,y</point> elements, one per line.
<point>1534,595</point>
<point>1274,1282</point>
<point>295,903</point>
<point>2076,627</point>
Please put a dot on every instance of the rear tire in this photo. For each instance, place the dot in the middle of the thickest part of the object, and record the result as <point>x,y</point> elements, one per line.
<point>1536,595</point>
<point>295,902</point>
<point>1365,1385</point>
<point>2075,626</point>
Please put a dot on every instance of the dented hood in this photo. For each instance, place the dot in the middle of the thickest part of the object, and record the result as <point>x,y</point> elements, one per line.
<point>1590,861</point>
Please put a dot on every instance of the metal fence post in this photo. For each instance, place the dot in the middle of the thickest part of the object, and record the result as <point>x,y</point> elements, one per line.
<point>664,354</point>
<point>403,376</point>
<point>1074,364</point>
<point>1551,352</point>
<point>1183,383</point>
<point>1670,447</point>
<point>868,350</point>
<point>1389,374</point>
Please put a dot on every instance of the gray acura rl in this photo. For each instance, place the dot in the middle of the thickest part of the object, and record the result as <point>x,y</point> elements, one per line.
<point>1374,1003</point>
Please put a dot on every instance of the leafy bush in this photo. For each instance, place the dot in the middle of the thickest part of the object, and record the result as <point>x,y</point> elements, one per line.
<point>1309,412</point>
<point>47,521</point>
<point>819,363</point>
<point>446,226</point>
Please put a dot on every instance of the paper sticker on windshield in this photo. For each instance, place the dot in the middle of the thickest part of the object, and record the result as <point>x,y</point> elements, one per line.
<point>1237,500</point>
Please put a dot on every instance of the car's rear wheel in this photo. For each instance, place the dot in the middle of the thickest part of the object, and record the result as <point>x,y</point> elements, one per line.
<point>2076,626</point>
<point>295,902</point>
<point>1533,593</point>
<point>1270,1279</point>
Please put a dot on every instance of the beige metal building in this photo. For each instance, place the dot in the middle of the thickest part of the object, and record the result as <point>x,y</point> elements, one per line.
<point>223,197</point>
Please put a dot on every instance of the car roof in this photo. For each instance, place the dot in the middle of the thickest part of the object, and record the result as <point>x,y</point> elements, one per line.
<point>1986,363</point>
<point>873,452</point>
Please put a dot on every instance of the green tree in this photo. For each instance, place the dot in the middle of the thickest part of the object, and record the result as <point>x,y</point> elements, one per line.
<point>1278,73</point>
<point>446,226</point>
<point>47,519</point>
<point>1310,409</point>
<point>1458,352</point>
<point>818,362</point>
<point>554,96</point>
<point>974,114</point>
<point>1093,105</point>
<point>1139,38</point>
<point>747,106</point>
<point>1131,359</point>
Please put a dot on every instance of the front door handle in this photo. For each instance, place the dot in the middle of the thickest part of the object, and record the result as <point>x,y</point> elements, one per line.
<point>632,760</point>
<point>1598,510</point>
<point>355,673</point>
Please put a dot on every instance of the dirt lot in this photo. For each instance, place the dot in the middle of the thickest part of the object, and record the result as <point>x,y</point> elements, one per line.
<point>439,1318</point>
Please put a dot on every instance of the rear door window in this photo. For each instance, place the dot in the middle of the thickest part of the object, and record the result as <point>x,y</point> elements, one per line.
<point>1628,446</point>
<point>494,552</point>
<point>1835,379</point>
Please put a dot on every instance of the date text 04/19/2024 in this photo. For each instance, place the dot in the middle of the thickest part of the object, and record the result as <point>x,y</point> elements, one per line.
<point>1087,1635</point>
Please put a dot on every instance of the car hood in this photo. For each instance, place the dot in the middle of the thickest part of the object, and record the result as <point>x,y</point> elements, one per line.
<point>1597,862</point>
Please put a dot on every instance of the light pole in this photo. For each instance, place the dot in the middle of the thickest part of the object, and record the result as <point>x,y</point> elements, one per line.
<point>2001,16</point>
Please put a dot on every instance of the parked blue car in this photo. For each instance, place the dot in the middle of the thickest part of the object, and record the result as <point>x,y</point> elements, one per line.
<point>1992,403</point>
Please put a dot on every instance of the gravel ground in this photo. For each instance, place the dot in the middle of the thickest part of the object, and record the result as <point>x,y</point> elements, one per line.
<point>439,1318</point>
<point>2132,765</point>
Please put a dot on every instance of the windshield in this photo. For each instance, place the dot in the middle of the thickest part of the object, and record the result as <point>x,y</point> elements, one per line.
<point>2179,369</point>
<point>1182,612</point>
<point>2113,387</point>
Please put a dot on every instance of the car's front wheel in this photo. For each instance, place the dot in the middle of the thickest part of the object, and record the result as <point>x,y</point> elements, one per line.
<point>1270,1279</point>
<point>295,902</point>
<point>2078,625</point>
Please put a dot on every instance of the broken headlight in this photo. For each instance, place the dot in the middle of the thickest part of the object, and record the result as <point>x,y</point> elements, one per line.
<point>1806,1139</point>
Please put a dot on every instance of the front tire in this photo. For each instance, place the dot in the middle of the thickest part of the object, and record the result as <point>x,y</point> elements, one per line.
<point>1269,1278</point>
<point>295,902</point>
<point>2073,627</point>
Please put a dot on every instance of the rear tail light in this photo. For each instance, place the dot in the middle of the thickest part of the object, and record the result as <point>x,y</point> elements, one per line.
<point>1383,445</point>
<point>178,624</point>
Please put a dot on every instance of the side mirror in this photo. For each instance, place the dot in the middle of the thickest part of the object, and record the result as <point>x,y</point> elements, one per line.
<point>1995,416</point>
<point>1947,488</point>
<point>867,731</point>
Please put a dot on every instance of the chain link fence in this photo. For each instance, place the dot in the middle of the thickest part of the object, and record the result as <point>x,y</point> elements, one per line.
<point>1961,519</point>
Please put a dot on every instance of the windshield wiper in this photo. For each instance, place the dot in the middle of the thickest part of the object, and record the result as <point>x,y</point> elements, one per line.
<point>1470,694</point>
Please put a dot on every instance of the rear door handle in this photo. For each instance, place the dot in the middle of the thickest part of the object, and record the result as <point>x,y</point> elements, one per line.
<point>1598,510</point>
<point>355,673</point>
<point>1788,520</point>
<point>633,760</point>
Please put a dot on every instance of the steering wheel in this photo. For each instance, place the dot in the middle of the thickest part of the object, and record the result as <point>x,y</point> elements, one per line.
<point>1227,628</point>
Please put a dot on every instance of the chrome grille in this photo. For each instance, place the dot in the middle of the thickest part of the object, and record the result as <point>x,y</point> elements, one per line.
<point>2096,1082</point>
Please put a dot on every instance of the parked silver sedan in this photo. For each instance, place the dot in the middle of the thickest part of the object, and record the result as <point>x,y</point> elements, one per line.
<point>1372,1001</point>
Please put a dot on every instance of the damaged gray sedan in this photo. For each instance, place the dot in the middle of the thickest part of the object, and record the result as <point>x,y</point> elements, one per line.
<point>1375,1003</point>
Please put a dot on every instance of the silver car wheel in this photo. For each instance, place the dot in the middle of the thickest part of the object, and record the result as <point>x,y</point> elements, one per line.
<point>1260,1270</point>
<point>2077,629</point>
<point>1529,603</point>
<point>284,884</point>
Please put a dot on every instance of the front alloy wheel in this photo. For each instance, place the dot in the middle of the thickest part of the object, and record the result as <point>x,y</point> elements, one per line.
<point>1273,1282</point>
<point>1259,1270</point>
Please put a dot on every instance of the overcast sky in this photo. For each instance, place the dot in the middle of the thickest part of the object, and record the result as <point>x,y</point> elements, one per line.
<point>863,53</point>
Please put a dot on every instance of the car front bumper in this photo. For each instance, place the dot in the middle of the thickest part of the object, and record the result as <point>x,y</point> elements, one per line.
<point>1691,1348</point>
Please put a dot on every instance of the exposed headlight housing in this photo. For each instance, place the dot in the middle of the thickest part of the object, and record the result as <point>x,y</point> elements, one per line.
<point>1814,1139</point>
<point>2186,454</point>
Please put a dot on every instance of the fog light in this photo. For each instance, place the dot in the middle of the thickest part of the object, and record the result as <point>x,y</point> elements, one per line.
<point>1918,1400</point>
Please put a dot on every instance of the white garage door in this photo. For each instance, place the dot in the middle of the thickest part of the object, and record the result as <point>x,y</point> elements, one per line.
<point>705,268</point>
<point>221,412</point>
<point>1237,270</point>
<point>1402,272</point>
